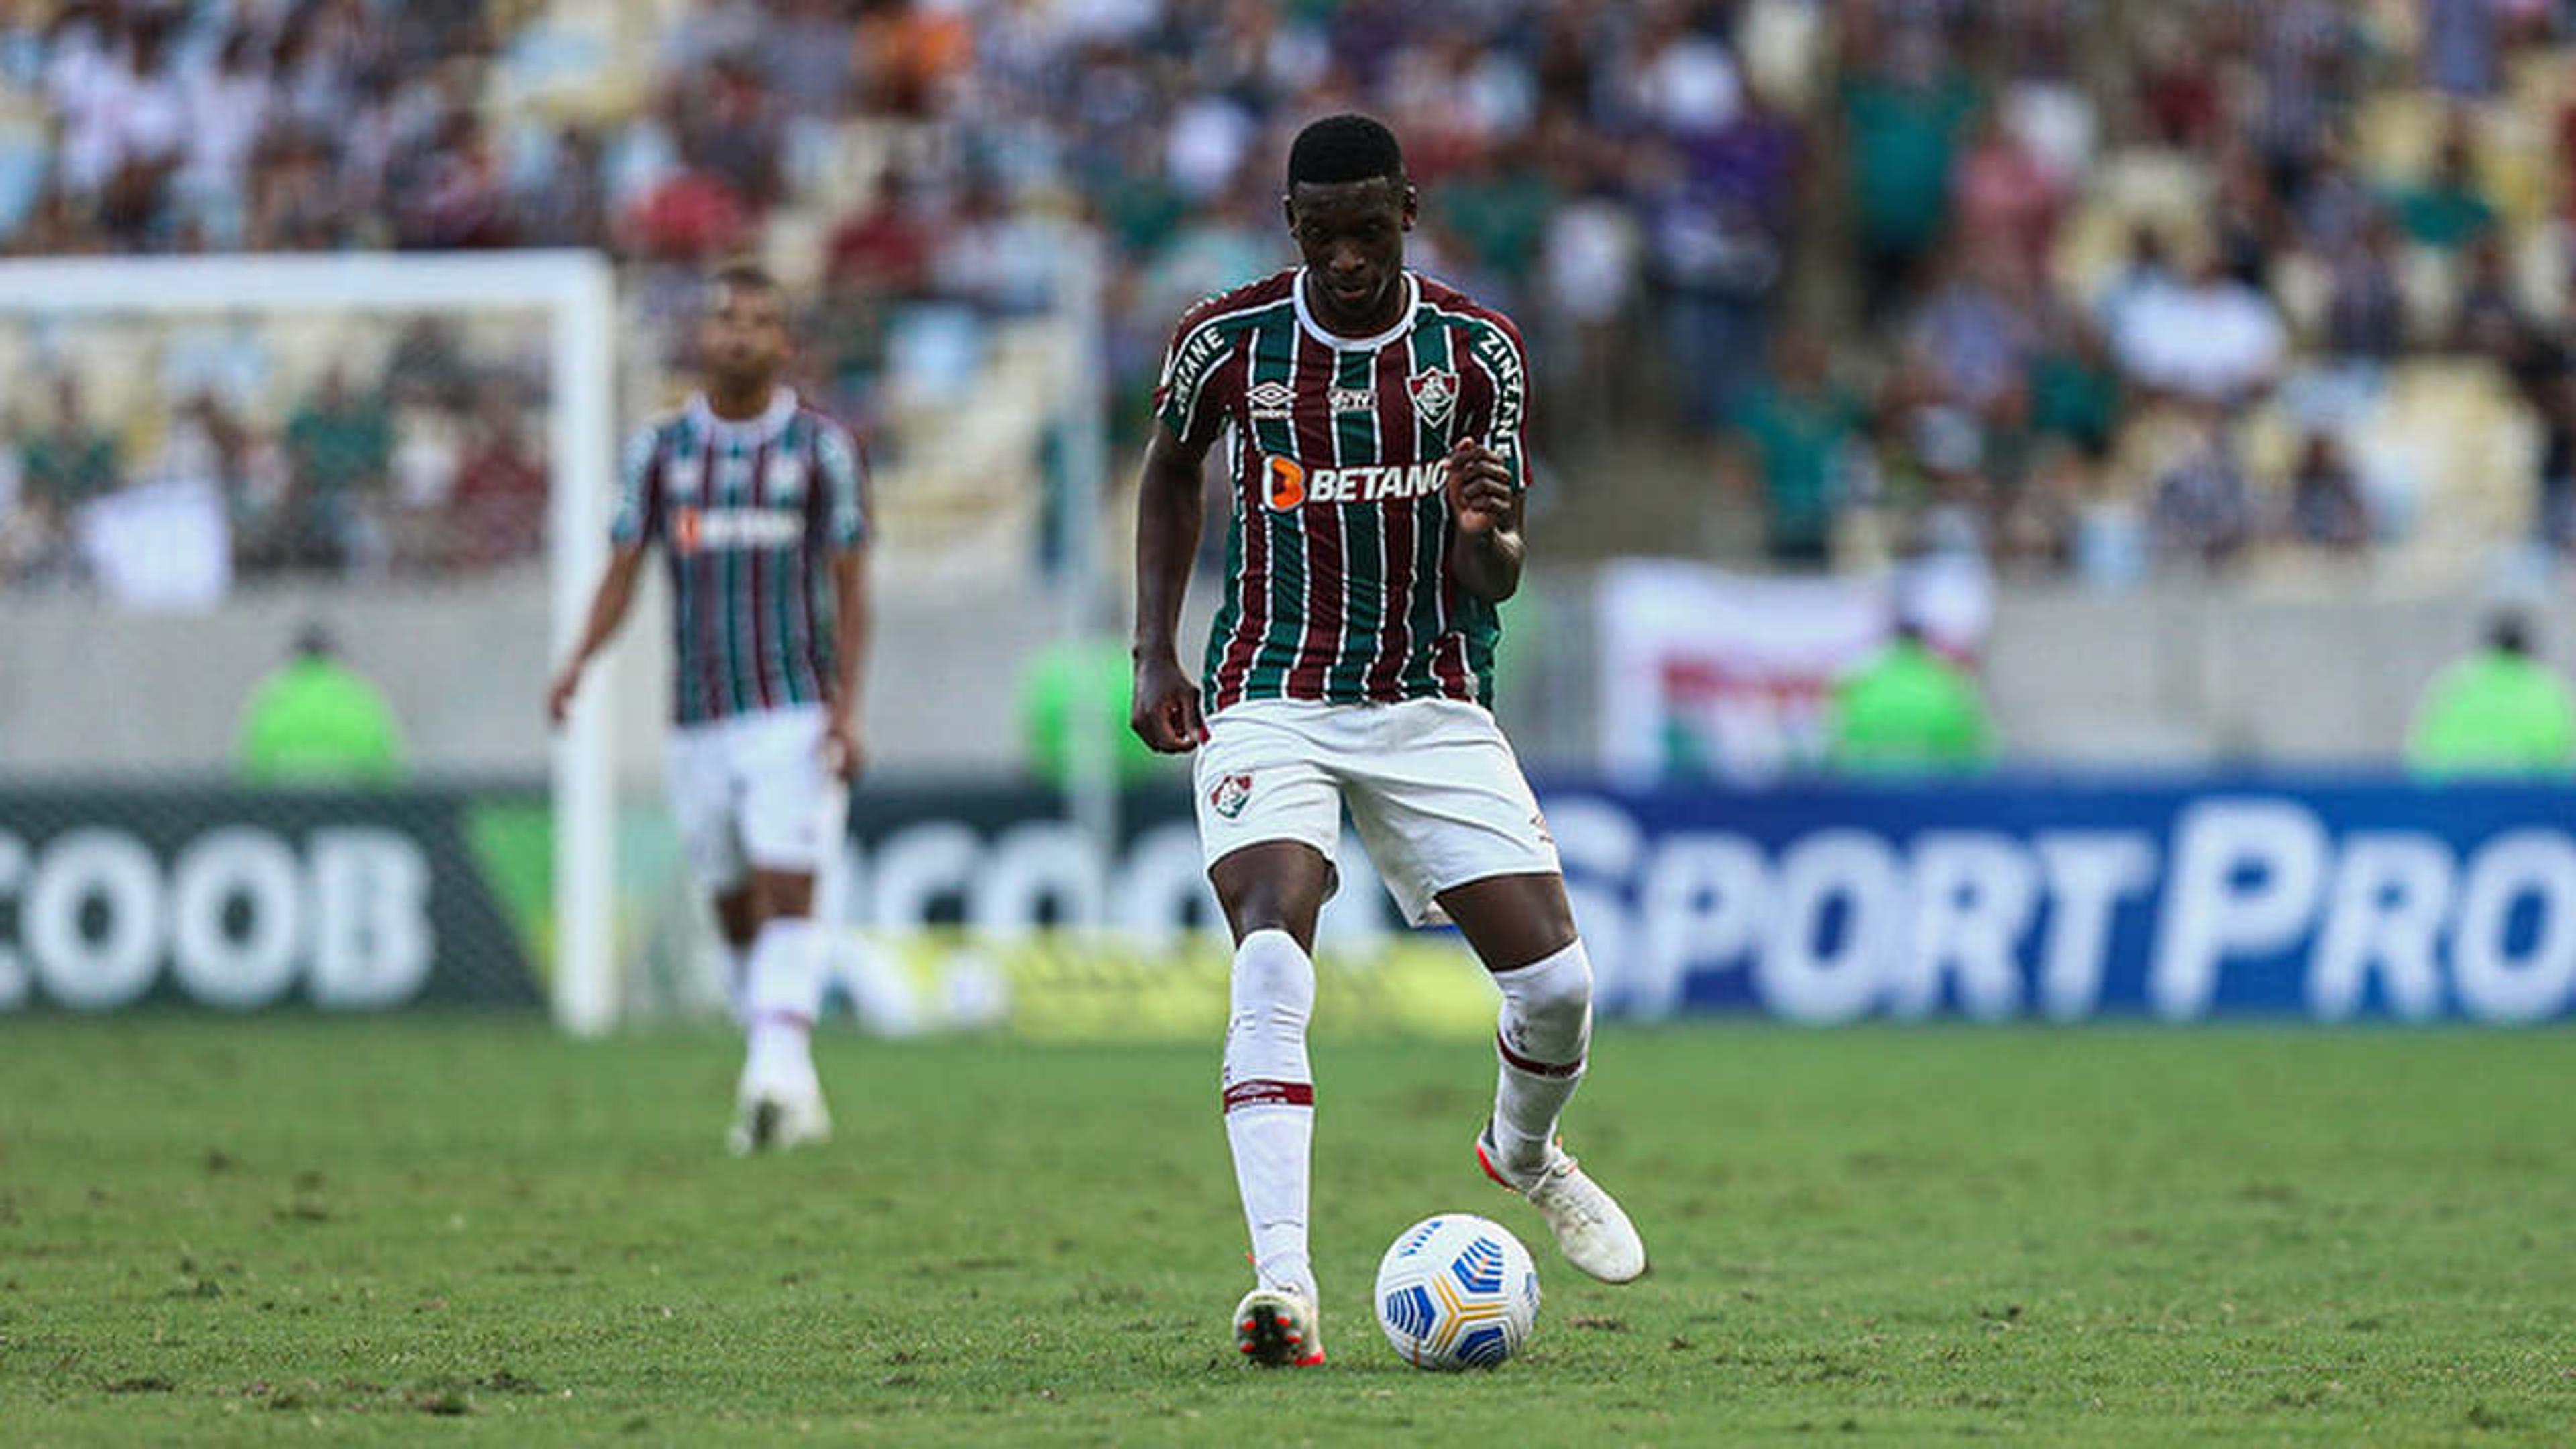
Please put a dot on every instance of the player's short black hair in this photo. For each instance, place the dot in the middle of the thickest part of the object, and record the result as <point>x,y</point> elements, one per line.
<point>1347,147</point>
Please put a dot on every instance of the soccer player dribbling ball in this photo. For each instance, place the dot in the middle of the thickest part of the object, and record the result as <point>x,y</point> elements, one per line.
<point>1375,419</point>
<point>757,502</point>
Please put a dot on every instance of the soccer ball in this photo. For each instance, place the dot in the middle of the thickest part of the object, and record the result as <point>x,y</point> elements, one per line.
<point>1456,1291</point>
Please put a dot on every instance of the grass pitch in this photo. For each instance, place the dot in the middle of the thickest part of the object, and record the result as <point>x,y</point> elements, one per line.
<point>458,1231</point>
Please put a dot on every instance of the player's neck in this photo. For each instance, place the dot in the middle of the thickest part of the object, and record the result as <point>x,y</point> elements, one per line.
<point>741,405</point>
<point>1381,316</point>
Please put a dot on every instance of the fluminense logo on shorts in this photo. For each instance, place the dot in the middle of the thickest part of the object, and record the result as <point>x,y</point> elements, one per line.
<point>1231,794</point>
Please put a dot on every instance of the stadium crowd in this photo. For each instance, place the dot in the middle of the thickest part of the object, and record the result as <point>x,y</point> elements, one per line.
<point>2083,286</point>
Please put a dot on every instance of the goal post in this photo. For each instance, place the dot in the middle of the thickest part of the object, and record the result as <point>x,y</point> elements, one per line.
<point>575,293</point>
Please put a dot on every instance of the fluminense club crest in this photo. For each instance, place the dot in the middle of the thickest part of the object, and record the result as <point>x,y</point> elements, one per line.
<point>1231,794</point>
<point>1434,393</point>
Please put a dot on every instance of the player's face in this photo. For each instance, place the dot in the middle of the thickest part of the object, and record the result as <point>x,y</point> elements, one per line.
<point>1352,236</point>
<point>742,340</point>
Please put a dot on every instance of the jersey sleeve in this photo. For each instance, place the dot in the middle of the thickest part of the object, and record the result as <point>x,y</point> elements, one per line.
<point>845,486</point>
<point>638,519</point>
<point>1191,397</point>
<point>1502,424</point>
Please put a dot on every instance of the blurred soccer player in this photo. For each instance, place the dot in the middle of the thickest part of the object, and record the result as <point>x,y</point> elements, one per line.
<point>1375,418</point>
<point>756,500</point>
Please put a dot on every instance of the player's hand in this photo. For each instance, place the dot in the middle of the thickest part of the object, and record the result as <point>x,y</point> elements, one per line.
<point>845,751</point>
<point>1480,487</point>
<point>559,697</point>
<point>1164,712</point>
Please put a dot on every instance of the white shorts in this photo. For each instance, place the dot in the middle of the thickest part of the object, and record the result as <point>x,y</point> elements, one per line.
<point>1433,788</point>
<point>752,792</point>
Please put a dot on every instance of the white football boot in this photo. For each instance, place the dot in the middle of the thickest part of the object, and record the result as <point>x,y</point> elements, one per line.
<point>778,1122</point>
<point>1278,1328</point>
<point>1592,1230</point>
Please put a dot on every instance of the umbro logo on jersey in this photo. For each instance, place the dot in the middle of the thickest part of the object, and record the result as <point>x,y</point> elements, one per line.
<point>1271,401</point>
<point>1435,393</point>
<point>1231,794</point>
<point>683,477</point>
<point>1354,400</point>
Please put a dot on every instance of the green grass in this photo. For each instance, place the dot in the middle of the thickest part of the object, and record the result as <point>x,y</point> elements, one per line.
<point>452,1231</point>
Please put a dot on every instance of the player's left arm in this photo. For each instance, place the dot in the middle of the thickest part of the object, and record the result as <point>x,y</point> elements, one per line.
<point>853,627</point>
<point>853,621</point>
<point>1485,473</point>
<point>1486,554</point>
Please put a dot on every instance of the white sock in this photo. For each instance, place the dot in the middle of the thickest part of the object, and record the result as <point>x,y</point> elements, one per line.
<point>783,991</point>
<point>1542,1035</point>
<point>1270,1103</point>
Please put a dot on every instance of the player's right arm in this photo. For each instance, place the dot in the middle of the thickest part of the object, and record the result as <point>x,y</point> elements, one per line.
<point>608,606</point>
<point>1170,511</point>
<point>1190,410</point>
<point>637,522</point>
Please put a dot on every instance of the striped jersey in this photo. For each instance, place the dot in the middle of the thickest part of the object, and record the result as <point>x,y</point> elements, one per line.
<point>748,514</point>
<point>1337,584</point>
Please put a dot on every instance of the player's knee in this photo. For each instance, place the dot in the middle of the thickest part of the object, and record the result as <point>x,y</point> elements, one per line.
<point>1273,976</point>
<point>1560,990</point>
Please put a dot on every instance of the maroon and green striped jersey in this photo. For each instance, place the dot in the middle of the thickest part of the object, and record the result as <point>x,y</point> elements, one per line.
<point>1337,583</point>
<point>748,515</point>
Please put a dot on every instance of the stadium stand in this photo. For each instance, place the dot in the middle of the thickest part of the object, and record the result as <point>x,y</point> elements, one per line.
<point>1996,212</point>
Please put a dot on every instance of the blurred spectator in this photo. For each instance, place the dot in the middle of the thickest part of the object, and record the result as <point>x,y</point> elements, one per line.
<point>2074,386</point>
<point>498,511</point>
<point>2327,509</point>
<point>339,446</point>
<point>2498,712</point>
<point>2008,197</point>
<point>886,248</point>
<point>2211,338</point>
<point>1975,333</point>
<point>2365,311</point>
<point>2487,317</point>
<point>2329,213</point>
<point>1908,711</point>
<point>227,109</point>
<point>2246,223</point>
<point>2037,525</point>
<point>68,461</point>
<point>1904,117</point>
<point>2202,511</point>
<point>2460,45</point>
<point>315,722</point>
<point>565,201</point>
<point>2448,209</point>
<point>1795,432</point>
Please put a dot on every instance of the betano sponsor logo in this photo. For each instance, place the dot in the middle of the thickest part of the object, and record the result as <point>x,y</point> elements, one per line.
<point>699,530</point>
<point>1291,484</point>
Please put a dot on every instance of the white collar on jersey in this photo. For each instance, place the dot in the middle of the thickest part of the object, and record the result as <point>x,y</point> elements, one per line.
<point>1315,329</point>
<point>771,422</point>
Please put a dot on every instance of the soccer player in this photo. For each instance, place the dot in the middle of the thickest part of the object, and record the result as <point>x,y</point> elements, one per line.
<point>756,500</point>
<point>1375,419</point>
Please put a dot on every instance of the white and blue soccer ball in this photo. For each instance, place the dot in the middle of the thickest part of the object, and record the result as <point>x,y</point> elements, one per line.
<point>1456,1292</point>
